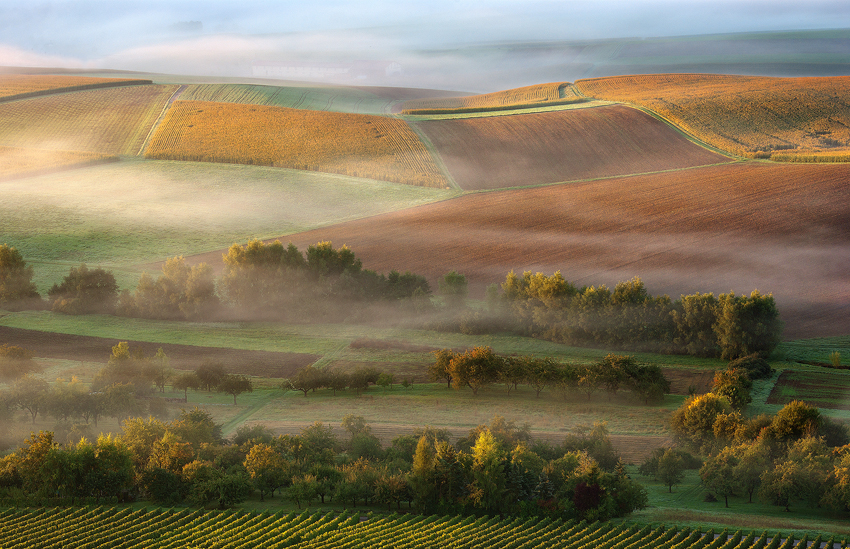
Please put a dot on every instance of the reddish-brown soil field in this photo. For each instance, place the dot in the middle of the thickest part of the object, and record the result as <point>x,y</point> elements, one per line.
<point>529,149</point>
<point>777,228</point>
<point>184,357</point>
<point>821,389</point>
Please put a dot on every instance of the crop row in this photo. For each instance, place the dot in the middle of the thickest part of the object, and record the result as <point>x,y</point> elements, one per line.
<point>788,119</point>
<point>20,86</point>
<point>102,527</point>
<point>375,147</point>
<point>109,121</point>
<point>551,93</point>
<point>16,162</point>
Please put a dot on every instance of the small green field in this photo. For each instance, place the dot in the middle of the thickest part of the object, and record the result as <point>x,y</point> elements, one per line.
<point>135,212</point>
<point>318,98</point>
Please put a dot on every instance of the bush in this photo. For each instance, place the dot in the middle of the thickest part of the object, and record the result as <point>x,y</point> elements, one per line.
<point>756,367</point>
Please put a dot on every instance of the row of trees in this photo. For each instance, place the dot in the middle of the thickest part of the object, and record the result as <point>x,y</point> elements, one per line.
<point>727,326</point>
<point>496,469</point>
<point>259,281</point>
<point>478,367</point>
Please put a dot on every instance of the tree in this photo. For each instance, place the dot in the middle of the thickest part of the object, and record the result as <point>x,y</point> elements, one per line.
<point>235,385</point>
<point>747,325</point>
<point>475,368</point>
<point>15,362</point>
<point>210,374</point>
<point>440,370</point>
<point>85,291</point>
<point>718,473</point>
<point>647,381</point>
<point>693,422</point>
<point>158,370</point>
<point>307,379</point>
<point>186,381</point>
<point>16,286</point>
<point>30,394</point>
<point>671,468</point>
<point>540,372</point>
<point>422,474</point>
<point>613,371</point>
<point>795,420</point>
<point>488,470</point>
<point>267,469</point>
<point>734,384</point>
<point>454,288</point>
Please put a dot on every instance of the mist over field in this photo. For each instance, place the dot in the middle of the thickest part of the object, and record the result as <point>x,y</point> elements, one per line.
<point>473,46</point>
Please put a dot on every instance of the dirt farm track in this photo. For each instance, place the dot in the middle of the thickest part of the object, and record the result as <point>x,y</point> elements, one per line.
<point>778,228</point>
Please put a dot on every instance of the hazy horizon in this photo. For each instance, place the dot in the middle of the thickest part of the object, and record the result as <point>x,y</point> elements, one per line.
<point>427,40</point>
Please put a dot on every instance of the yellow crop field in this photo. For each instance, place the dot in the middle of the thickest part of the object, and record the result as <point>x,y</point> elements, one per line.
<point>788,119</point>
<point>16,162</point>
<point>109,121</point>
<point>374,147</point>
<point>24,85</point>
<point>528,96</point>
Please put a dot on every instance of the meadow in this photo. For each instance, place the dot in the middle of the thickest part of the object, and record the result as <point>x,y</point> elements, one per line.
<point>358,145</point>
<point>16,163</point>
<point>129,214</point>
<point>787,119</point>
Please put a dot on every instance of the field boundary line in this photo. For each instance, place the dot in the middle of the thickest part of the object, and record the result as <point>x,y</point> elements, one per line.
<point>179,91</point>
<point>438,160</point>
<point>71,89</point>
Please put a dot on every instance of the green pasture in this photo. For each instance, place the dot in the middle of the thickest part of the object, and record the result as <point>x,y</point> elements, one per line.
<point>313,97</point>
<point>134,212</point>
<point>686,506</point>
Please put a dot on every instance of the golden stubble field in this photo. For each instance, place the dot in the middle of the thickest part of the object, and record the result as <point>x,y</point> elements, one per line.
<point>779,118</point>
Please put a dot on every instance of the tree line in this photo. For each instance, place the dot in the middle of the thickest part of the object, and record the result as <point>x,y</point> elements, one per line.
<point>495,469</point>
<point>270,281</point>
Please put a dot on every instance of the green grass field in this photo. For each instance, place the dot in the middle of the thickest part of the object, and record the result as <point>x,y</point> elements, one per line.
<point>134,212</point>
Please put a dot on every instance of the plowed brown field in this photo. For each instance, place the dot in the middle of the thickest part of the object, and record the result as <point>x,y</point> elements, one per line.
<point>783,229</point>
<point>788,118</point>
<point>529,149</point>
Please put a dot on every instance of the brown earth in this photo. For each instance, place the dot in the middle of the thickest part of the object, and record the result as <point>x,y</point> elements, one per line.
<point>530,149</point>
<point>779,228</point>
<point>184,357</point>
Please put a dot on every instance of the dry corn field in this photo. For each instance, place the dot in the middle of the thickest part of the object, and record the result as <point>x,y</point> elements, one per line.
<point>536,95</point>
<point>12,85</point>
<point>374,147</point>
<point>802,119</point>
<point>109,121</point>
<point>19,162</point>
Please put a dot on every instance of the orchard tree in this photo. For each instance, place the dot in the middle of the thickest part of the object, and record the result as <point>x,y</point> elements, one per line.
<point>16,285</point>
<point>475,368</point>
<point>671,468</point>
<point>440,370</point>
<point>267,469</point>
<point>85,291</point>
<point>454,288</point>
<point>235,385</point>
<point>734,384</point>
<point>718,473</point>
<point>186,381</point>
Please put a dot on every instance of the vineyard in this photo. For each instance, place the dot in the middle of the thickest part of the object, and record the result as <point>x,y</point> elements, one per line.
<point>373,147</point>
<point>19,162</point>
<point>787,119</point>
<point>109,527</point>
<point>109,121</point>
<point>531,149</point>
<point>328,98</point>
<point>19,86</point>
<point>555,93</point>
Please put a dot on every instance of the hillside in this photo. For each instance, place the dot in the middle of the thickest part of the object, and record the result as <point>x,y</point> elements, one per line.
<point>778,228</point>
<point>564,145</point>
<point>788,119</point>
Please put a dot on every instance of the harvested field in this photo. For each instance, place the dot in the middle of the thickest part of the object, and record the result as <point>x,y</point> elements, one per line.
<point>822,389</point>
<point>530,96</point>
<point>109,121</point>
<point>19,86</point>
<point>531,149</point>
<point>375,147</point>
<point>184,357</point>
<point>783,229</point>
<point>806,119</point>
<point>682,380</point>
<point>15,163</point>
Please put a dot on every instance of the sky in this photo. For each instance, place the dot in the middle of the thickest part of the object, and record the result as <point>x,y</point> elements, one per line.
<point>226,37</point>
